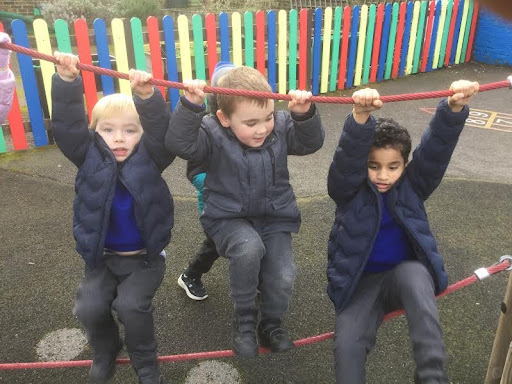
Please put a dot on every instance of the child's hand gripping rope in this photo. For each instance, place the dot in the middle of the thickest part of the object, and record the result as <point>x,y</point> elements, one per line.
<point>67,66</point>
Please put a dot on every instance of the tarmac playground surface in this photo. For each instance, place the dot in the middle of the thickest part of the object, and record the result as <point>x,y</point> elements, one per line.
<point>470,215</point>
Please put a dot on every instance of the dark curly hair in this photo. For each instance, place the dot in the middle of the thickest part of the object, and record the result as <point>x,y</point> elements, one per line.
<point>388,133</point>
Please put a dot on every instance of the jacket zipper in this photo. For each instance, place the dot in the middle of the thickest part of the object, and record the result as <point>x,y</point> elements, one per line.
<point>273,162</point>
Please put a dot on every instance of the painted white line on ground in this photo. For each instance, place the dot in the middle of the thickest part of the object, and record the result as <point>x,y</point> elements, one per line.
<point>213,372</point>
<point>63,344</point>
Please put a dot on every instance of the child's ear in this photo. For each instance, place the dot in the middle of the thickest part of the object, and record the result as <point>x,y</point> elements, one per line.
<point>224,120</point>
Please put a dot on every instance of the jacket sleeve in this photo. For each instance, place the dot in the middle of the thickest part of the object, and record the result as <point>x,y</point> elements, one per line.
<point>69,122</point>
<point>154,116</point>
<point>349,170</point>
<point>432,156</point>
<point>304,133</point>
<point>186,136</point>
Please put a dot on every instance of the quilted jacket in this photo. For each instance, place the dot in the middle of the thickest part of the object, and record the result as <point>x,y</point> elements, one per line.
<point>358,204</point>
<point>98,172</point>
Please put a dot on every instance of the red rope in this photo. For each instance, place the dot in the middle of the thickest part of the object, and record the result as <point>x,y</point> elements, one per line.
<point>228,353</point>
<point>255,94</point>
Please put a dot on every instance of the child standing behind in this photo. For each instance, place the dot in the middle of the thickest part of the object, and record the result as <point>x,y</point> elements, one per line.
<point>123,213</point>
<point>249,205</point>
<point>382,254</point>
<point>190,279</point>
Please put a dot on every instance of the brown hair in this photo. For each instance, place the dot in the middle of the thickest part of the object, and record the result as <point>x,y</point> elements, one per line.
<point>242,78</point>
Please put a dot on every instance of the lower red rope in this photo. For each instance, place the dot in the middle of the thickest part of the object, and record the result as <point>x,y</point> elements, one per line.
<point>256,94</point>
<point>228,353</point>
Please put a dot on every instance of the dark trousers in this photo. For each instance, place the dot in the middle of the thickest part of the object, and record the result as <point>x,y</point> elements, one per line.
<point>203,260</point>
<point>408,286</point>
<point>126,284</point>
<point>257,259</point>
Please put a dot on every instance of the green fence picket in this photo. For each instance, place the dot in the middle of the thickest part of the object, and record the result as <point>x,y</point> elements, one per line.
<point>138,43</point>
<point>392,38</point>
<point>467,31</point>
<point>249,39</point>
<point>336,35</point>
<point>369,44</point>
<point>419,36</point>
<point>292,49</point>
<point>62,35</point>
<point>197,35</point>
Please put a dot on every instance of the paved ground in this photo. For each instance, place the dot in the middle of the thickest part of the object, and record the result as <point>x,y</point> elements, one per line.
<point>469,213</point>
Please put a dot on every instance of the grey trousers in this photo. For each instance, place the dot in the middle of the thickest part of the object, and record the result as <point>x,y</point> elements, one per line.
<point>257,260</point>
<point>126,284</point>
<point>408,286</point>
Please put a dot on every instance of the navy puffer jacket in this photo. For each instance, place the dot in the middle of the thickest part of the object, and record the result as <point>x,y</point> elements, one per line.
<point>358,204</point>
<point>244,182</point>
<point>98,172</point>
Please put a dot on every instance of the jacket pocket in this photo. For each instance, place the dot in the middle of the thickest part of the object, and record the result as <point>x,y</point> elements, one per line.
<point>224,205</point>
<point>284,200</point>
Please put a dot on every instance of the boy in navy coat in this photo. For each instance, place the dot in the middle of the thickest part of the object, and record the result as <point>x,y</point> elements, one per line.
<point>123,213</point>
<point>381,253</point>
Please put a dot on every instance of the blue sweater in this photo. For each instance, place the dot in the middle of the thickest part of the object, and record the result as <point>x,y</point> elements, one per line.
<point>123,235</point>
<point>391,245</point>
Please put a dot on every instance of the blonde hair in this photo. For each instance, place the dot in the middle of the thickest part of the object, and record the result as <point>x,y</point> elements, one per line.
<point>112,105</point>
<point>242,78</point>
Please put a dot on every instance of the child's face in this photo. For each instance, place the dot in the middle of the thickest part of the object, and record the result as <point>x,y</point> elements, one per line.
<point>249,122</point>
<point>121,133</point>
<point>385,166</point>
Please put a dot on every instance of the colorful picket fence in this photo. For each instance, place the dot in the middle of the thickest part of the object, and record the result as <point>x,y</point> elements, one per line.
<point>323,50</point>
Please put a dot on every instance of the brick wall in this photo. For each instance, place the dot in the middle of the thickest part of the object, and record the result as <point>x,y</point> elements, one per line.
<point>493,40</point>
<point>23,7</point>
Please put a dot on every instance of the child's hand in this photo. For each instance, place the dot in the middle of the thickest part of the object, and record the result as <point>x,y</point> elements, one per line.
<point>365,101</point>
<point>66,66</point>
<point>194,91</point>
<point>464,90</point>
<point>139,83</point>
<point>300,101</point>
<point>4,53</point>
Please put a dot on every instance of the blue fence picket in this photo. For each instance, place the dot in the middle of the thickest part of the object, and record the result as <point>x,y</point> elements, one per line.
<point>317,49</point>
<point>405,41</point>
<point>352,47</point>
<point>456,32</point>
<point>100,33</point>
<point>271,38</point>
<point>224,36</point>
<point>170,54</point>
<point>28,77</point>
<point>384,42</point>
<point>435,27</point>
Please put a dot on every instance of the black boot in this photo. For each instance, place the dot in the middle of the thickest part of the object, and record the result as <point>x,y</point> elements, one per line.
<point>150,375</point>
<point>244,334</point>
<point>272,336</point>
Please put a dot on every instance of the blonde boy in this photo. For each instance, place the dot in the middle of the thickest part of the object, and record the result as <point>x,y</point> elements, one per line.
<point>123,213</point>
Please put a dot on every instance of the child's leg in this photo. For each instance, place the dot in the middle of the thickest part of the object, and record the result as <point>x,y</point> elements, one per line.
<point>93,309</point>
<point>410,286</point>
<point>241,244</point>
<point>277,275</point>
<point>203,260</point>
<point>140,278</point>
<point>356,330</point>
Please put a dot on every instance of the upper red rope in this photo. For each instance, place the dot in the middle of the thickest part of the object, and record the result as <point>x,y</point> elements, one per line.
<point>255,94</point>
